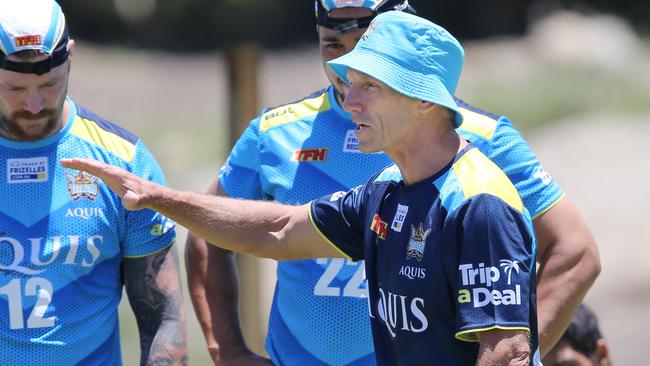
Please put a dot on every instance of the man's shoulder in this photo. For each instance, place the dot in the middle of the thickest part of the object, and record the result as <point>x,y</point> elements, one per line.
<point>477,122</point>
<point>474,174</point>
<point>298,110</point>
<point>104,134</point>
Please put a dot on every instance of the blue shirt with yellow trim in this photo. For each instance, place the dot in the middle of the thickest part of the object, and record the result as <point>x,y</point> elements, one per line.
<point>63,236</point>
<point>446,258</point>
<point>302,150</point>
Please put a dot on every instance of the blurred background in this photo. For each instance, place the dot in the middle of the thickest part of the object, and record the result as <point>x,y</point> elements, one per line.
<point>574,76</point>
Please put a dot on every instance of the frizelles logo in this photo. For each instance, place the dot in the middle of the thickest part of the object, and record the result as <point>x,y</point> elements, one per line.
<point>485,285</point>
<point>30,170</point>
<point>351,142</point>
<point>400,216</point>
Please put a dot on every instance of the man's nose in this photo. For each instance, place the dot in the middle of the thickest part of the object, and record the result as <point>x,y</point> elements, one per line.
<point>352,102</point>
<point>34,102</point>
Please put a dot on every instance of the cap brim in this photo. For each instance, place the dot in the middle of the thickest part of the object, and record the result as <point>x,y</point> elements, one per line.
<point>417,85</point>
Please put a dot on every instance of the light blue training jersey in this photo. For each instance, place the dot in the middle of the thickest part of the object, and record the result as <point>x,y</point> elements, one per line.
<point>63,235</point>
<point>307,149</point>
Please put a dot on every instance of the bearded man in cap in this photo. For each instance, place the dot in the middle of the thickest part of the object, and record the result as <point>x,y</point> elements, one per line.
<point>69,248</point>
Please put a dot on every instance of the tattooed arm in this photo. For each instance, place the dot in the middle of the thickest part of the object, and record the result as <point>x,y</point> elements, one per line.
<point>154,290</point>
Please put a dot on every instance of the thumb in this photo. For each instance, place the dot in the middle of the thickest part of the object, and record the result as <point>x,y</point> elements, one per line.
<point>131,200</point>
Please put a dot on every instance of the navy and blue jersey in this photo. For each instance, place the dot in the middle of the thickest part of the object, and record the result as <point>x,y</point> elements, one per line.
<point>299,151</point>
<point>446,258</point>
<point>64,235</point>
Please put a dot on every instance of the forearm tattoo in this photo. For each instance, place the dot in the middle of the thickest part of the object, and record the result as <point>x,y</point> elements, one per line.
<point>154,291</point>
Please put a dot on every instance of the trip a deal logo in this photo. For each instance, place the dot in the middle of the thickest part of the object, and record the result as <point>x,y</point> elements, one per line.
<point>482,285</point>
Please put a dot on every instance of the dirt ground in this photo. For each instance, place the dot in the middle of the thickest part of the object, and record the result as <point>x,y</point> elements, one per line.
<point>600,160</point>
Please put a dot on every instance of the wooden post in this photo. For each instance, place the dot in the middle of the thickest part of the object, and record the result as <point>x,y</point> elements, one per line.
<point>242,63</point>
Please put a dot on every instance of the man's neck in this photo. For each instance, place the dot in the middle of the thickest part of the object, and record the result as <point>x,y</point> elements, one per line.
<point>421,160</point>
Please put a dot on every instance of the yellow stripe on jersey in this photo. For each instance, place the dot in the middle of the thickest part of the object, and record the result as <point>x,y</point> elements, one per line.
<point>477,123</point>
<point>470,335</point>
<point>293,112</point>
<point>90,131</point>
<point>477,174</point>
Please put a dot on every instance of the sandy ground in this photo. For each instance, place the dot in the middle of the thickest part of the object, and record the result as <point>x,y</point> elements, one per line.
<point>599,159</point>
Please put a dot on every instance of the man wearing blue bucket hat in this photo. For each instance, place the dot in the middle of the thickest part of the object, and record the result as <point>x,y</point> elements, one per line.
<point>448,244</point>
<point>68,247</point>
<point>304,324</point>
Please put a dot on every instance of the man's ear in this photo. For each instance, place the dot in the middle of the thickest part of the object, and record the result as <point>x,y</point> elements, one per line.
<point>71,47</point>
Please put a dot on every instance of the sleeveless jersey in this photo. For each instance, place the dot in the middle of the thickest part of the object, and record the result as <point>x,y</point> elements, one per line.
<point>63,235</point>
<point>303,150</point>
<point>447,257</point>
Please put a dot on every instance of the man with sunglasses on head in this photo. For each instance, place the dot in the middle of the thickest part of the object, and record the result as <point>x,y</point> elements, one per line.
<point>308,148</point>
<point>68,246</point>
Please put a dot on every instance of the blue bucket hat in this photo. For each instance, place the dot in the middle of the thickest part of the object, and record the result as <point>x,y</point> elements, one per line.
<point>33,25</point>
<point>411,55</point>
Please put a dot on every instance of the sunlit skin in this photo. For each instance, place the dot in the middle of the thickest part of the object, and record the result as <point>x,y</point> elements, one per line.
<point>33,107</point>
<point>402,127</point>
<point>565,355</point>
<point>333,44</point>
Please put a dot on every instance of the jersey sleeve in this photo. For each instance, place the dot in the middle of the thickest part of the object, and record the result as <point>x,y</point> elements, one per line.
<point>338,218</point>
<point>494,270</point>
<point>240,175</point>
<point>537,188</point>
<point>146,231</point>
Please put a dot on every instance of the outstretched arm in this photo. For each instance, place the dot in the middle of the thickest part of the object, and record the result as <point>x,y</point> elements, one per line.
<point>264,229</point>
<point>503,347</point>
<point>569,265</point>
<point>154,291</point>
<point>214,290</point>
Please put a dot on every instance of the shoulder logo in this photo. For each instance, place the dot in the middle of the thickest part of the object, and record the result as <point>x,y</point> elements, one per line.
<point>379,227</point>
<point>543,175</point>
<point>417,242</point>
<point>82,185</point>
<point>310,155</point>
<point>278,112</point>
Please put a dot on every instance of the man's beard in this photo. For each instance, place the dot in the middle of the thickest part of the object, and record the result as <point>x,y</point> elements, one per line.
<point>15,131</point>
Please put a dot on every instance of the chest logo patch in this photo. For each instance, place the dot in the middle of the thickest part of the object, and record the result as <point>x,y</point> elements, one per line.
<point>400,216</point>
<point>310,155</point>
<point>379,227</point>
<point>351,143</point>
<point>31,170</point>
<point>82,185</point>
<point>417,242</point>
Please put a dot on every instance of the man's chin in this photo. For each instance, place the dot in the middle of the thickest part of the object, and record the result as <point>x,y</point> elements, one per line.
<point>32,130</point>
